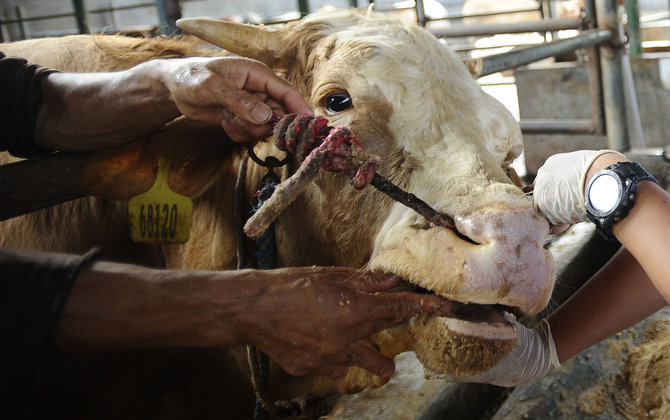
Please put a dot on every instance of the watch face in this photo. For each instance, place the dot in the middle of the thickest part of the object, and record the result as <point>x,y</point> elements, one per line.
<point>605,193</point>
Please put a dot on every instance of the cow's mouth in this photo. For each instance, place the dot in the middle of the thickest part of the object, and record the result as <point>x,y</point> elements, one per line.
<point>468,311</point>
<point>471,339</point>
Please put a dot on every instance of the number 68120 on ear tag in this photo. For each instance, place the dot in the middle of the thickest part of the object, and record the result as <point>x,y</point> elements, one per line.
<point>160,215</point>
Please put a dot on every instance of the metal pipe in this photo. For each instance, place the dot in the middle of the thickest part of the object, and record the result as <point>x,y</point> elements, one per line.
<point>80,16</point>
<point>595,77</point>
<point>69,14</point>
<point>546,12</point>
<point>596,91</point>
<point>459,31</point>
<point>607,16</point>
<point>420,12</point>
<point>22,25</point>
<point>485,14</point>
<point>557,126</point>
<point>517,57</point>
<point>303,7</point>
<point>470,47</point>
<point>169,11</point>
<point>633,18</point>
<point>632,109</point>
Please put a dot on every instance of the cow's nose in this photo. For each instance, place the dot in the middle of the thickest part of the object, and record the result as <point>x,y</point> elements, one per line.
<point>505,228</point>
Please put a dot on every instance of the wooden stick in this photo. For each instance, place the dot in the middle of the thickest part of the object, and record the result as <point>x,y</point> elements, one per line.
<point>412,201</point>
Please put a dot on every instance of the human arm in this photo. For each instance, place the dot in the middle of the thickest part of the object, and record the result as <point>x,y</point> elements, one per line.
<point>309,319</point>
<point>628,289</point>
<point>33,290</point>
<point>92,111</point>
<point>617,297</point>
<point>643,231</point>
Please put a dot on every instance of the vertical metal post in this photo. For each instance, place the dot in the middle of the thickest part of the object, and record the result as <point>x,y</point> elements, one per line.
<point>2,28</point>
<point>546,12</point>
<point>80,16</point>
<point>303,7</point>
<point>634,37</point>
<point>22,23</point>
<point>112,14</point>
<point>595,76</point>
<point>168,13</point>
<point>607,15</point>
<point>420,12</point>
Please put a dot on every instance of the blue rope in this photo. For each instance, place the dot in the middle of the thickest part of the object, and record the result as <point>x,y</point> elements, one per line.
<point>266,248</point>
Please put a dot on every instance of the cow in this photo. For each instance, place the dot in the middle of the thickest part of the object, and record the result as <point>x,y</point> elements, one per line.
<point>409,100</point>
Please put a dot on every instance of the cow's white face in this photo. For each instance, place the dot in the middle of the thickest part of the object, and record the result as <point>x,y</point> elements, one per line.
<point>411,101</point>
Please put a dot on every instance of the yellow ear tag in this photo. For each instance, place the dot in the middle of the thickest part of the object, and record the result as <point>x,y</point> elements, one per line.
<point>160,215</point>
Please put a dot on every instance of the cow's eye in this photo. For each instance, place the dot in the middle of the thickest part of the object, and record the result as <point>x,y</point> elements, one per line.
<point>338,102</point>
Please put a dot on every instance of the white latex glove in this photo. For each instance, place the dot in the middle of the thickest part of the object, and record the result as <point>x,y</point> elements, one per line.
<point>534,357</point>
<point>558,190</point>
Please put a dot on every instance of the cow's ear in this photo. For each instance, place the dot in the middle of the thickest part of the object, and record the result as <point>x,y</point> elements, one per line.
<point>241,39</point>
<point>474,65</point>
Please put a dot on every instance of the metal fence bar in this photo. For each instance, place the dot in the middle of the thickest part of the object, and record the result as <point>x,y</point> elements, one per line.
<point>22,25</point>
<point>549,25</point>
<point>455,16</point>
<point>557,126</point>
<point>520,56</point>
<point>634,35</point>
<point>595,76</point>
<point>303,7</point>
<point>421,17</point>
<point>596,91</point>
<point>460,48</point>
<point>611,54</point>
<point>21,19</point>
<point>169,11</point>
<point>80,16</point>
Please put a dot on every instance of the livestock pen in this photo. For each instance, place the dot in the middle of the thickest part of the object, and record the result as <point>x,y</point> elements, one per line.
<point>593,384</point>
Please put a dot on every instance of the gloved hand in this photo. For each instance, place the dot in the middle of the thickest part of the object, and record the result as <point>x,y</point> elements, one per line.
<point>534,357</point>
<point>558,190</point>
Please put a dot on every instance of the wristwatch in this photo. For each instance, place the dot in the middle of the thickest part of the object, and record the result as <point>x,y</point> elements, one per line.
<point>610,194</point>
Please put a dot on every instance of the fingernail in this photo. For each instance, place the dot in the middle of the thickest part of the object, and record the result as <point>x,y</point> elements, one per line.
<point>261,114</point>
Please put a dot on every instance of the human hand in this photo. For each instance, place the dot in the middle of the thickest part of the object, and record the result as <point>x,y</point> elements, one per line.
<point>534,357</point>
<point>239,93</point>
<point>310,319</point>
<point>558,190</point>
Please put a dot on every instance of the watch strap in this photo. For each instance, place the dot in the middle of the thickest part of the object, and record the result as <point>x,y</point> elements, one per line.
<point>630,173</point>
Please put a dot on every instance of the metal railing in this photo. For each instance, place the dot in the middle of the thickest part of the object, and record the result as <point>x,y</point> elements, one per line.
<point>600,33</point>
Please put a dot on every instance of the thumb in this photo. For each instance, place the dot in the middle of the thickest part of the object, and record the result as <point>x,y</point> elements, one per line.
<point>249,108</point>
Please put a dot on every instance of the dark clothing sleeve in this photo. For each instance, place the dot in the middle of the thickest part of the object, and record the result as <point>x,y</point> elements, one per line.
<point>20,101</point>
<point>33,290</point>
<point>33,286</point>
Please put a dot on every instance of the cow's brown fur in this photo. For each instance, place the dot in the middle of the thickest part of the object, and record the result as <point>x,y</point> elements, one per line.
<point>331,224</point>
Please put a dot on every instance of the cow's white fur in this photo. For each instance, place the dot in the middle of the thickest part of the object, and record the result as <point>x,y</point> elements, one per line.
<point>440,137</point>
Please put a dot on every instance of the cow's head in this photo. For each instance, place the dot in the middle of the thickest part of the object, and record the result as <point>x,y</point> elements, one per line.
<point>412,101</point>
